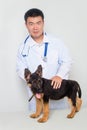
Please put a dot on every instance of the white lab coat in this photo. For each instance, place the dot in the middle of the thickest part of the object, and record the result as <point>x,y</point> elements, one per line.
<point>31,54</point>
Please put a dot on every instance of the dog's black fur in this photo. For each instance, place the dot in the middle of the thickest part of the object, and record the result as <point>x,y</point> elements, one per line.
<point>39,85</point>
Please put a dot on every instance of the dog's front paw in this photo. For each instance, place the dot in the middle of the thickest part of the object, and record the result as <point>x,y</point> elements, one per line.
<point>70,115</point>
<point>34,115</point>
<point>42,120</point>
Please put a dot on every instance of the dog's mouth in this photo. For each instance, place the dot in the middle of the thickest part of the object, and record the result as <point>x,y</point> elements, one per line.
<point>38,95</point>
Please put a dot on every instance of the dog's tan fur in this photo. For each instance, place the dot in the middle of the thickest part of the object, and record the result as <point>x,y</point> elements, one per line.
<point>41,107</point>
<point>44,108</point>
<point>74,109</point>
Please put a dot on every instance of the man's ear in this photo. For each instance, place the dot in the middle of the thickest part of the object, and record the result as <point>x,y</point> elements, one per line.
<point>27,74</point>
<point>39,70</point>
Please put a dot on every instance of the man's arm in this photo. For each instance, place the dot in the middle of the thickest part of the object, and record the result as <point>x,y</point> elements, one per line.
<point>20,64</point>
<point>65,63</point>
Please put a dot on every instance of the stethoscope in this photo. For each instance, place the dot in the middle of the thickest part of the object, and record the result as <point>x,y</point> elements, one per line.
<point>25,54</point>
<point>23,50</point>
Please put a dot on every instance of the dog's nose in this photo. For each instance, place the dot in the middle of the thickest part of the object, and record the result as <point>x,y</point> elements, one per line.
<point>39,90</point>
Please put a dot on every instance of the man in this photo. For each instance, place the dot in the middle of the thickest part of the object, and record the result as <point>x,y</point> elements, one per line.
<point>41,48</point>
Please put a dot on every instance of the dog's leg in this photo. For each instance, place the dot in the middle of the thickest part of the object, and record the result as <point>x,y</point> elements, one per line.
<point>78,104</point>
<point>73,109</point>
<point>45,113</point>
<point>39,103</point>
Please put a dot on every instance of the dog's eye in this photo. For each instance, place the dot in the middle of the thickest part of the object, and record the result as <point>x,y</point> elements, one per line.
<point>39,80</point>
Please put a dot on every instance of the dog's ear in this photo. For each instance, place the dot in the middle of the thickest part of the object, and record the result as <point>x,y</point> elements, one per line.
<point>27,74</point>
<point>39,70</point>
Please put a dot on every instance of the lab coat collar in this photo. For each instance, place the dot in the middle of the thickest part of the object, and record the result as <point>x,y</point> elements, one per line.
<point>31,42</point>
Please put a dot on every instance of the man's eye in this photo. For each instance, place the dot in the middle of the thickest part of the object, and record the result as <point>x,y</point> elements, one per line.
<point>30,23</point>
<point>39,23</point>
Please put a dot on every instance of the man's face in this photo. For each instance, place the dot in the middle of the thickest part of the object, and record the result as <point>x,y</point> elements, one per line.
<point>35,26</point>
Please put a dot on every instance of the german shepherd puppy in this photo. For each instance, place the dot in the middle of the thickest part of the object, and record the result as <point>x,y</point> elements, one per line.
<point>43,91</point>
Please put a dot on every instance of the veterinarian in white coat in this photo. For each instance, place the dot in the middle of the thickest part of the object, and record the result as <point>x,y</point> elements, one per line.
<point>41,48</point>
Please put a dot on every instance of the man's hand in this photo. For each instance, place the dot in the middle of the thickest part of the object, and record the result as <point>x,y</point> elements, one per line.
<point>56,82</point>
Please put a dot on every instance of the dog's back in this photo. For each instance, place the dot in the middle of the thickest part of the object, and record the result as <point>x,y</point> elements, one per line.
<point>68,88</point>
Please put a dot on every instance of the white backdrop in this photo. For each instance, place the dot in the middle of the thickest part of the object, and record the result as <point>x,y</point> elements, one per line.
<point>64,18</point>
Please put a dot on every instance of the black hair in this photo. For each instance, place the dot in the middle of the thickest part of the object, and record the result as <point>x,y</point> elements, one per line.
<point>34,12</point>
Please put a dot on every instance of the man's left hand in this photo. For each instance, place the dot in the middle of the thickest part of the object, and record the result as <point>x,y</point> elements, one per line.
<point>56,82</point>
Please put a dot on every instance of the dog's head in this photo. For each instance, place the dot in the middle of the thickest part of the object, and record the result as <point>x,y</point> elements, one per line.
<point>35,81</point>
